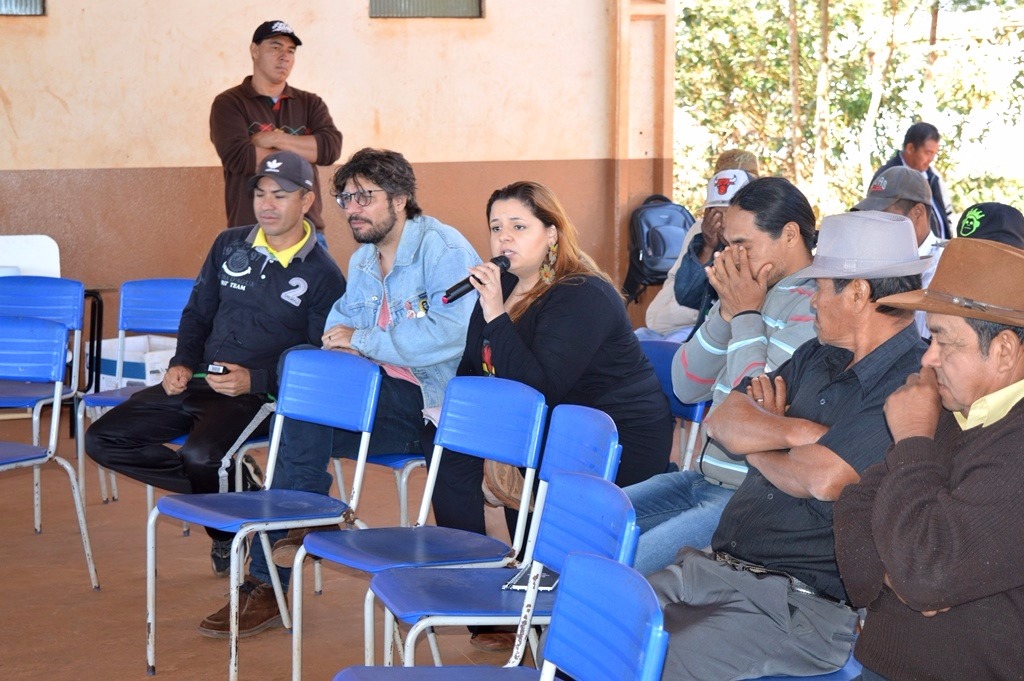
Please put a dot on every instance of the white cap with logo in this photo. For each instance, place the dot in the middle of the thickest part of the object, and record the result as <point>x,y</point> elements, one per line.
<point>723,186</point>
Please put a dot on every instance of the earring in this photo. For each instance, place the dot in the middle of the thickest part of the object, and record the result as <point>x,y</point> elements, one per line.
<point>547,270</point>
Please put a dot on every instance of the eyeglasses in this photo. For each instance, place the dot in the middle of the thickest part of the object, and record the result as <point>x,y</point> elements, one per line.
<point>361,197</point>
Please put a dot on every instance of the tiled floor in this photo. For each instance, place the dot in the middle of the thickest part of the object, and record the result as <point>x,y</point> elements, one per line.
<point>53,625</point>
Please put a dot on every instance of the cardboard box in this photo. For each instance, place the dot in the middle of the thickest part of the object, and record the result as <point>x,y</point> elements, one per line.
<point>145,361</point>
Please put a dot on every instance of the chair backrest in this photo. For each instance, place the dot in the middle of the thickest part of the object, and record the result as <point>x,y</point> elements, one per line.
<point>585,513</point>
<point>579,440</point>
<point>33,254</point>
<point>582,440</point>
<point>35,350</point>
<point>335,389</point>
<point>606,624</point>
<point>32,349</point>
<point>149,306</point>
<point>52,298</point>
<point>59,300</point>
<point>661,355</point>
<point>153,305</point>
<point>492,418</point>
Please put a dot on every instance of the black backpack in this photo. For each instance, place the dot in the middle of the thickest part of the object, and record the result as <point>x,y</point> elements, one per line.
<point>657,229</point>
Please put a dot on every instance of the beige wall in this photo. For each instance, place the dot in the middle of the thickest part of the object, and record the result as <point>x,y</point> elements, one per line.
<point>104,137</point>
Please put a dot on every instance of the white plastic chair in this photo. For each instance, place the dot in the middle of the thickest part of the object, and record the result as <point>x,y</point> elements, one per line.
<point>33,254</point>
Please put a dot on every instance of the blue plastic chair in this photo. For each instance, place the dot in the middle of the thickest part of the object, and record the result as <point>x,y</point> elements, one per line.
<point>310,383</point>
<point>491,418</point>
<point>58,300</point>
<point>147,306</point>
<point>606,626</point>
<point>661,355</point>
<point>851,670</point>
<point>34,352</point>
<point>582,513</point>
<point>579,440</point>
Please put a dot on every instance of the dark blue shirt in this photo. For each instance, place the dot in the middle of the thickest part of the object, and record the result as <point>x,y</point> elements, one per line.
<point>764,525</point>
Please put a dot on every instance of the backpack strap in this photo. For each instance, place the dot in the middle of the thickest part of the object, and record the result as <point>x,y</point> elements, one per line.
<point>656,198</point>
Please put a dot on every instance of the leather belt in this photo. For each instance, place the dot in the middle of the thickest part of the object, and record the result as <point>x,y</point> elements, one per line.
<point>794,583</point>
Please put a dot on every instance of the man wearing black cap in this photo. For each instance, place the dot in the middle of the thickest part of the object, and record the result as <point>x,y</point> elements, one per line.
<point>994,222</point>
<point>263,115</point>
<point>262,290</point>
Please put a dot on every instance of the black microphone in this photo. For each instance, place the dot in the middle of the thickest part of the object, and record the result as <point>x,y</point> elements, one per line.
<point>464,287</point>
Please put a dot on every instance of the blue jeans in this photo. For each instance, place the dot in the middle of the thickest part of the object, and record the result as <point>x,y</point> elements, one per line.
<point>674,510</point>
<point>679,335</point>
<point>307,448</point>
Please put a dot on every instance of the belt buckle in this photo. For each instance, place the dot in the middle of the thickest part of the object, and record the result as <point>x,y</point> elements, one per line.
<point>737,564</point>
<point>808,590</point>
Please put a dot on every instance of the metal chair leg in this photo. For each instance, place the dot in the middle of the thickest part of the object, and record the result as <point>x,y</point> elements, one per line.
<point>297,594</point>
<point>80,510</point>
<point>369,645</point>
<point>434,650</point>
<point>154,515</point>
<point>339,475</point>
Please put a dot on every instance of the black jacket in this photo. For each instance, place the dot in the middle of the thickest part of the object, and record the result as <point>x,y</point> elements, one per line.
<point>247,309</point>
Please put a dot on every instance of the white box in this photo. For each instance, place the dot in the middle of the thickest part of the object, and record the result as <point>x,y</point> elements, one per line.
<point>145,360</point>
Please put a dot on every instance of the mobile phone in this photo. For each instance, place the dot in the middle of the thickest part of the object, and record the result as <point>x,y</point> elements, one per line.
<point>217,369</point>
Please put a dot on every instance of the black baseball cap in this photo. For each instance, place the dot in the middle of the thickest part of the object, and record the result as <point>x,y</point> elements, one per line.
<point>268,29</point>
<point>288,169</point>
<point>993,221</point>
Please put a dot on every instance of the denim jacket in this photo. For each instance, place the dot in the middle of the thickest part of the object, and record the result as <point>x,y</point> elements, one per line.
<point>424,335</point>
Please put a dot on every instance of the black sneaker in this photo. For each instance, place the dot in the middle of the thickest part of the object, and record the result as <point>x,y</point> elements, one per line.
<point>220,557</point>
<point>252,474</point>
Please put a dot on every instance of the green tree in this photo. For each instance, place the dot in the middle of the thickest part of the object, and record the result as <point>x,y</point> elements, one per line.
<point>863,72</point>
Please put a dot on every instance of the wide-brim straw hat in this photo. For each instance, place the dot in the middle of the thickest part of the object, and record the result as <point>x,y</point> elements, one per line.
<point>975,278</point>
<point>866,244</point>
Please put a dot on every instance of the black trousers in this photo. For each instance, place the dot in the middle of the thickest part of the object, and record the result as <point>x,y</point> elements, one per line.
<point>132,437</point>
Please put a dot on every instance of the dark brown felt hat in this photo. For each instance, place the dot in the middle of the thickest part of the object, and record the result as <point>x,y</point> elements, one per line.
<point>975,278</point>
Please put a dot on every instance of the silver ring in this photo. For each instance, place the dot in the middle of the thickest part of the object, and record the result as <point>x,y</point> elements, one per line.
<point>760,399</point>
<point>487,282</point>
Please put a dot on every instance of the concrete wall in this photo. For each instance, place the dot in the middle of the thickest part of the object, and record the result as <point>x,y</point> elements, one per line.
<point>104,105</point>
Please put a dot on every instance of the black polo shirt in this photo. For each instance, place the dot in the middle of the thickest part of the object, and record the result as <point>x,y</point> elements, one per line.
<point>764,525</point>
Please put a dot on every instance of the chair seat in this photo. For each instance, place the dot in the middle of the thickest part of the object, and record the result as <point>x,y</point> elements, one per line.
<point>412,593</point>
<point>689,412</point>
<point>17,452</point>
<point>851,670</point>
<point>396,461</point>
<point>229,511</point>
<point>251,442</point>
<point>446,673</point>
<point>111,398</point>
<point>18,395</point>
<point>376,549</point>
